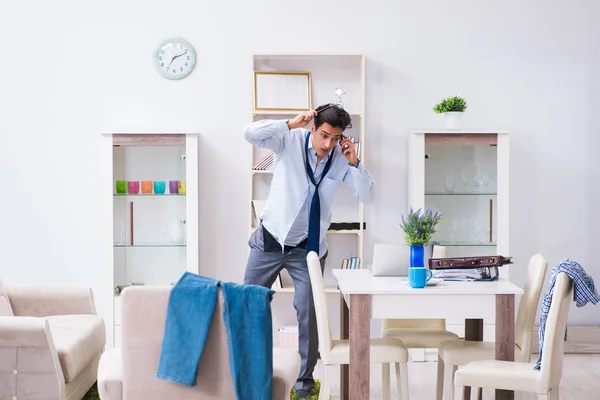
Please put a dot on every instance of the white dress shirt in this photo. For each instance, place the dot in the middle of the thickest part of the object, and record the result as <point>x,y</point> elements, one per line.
<point>286,212</point>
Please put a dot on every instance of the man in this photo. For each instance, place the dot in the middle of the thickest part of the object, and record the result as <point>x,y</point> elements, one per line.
<point>297,215</point>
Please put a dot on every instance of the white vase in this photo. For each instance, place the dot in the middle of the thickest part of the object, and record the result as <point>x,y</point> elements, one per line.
<point>453,120</point>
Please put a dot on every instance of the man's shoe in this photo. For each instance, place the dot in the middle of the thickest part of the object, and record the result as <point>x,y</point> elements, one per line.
<point>302,394</point>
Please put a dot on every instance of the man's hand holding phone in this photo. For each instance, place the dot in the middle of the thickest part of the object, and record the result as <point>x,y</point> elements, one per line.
<point>349,150</point>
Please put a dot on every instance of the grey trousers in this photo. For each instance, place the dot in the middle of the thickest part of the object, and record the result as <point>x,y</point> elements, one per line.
<point>262,269</point>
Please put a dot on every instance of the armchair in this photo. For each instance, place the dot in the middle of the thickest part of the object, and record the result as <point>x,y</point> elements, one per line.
<point>51,340</point>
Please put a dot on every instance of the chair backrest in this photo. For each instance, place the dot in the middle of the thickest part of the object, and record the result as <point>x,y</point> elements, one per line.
<point>528,305</point>
<point>554,334</point>
<point>416,324</point>
<point>144,311</point>
<point>320,303</point>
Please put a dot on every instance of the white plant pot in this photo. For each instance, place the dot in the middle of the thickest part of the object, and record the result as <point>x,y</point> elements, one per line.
<point>453,120</point>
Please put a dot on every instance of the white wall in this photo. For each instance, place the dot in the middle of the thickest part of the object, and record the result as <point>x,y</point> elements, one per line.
<point>72,70</point>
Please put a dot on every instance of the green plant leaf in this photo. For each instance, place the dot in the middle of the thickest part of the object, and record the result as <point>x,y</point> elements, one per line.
<point>451,104</point>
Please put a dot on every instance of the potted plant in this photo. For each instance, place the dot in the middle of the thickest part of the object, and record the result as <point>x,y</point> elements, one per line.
<point>419,226</point>
<point>452,108</point>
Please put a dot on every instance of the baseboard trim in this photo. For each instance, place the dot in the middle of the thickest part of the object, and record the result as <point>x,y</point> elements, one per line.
<point>580,340</point>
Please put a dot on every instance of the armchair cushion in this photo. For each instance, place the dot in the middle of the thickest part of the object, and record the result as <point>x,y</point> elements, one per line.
<point>5,307</point>
<point>78,339</point>
<point>110,375</point>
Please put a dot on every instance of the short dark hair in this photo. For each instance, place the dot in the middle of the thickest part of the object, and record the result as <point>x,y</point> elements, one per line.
<point>333,115</point>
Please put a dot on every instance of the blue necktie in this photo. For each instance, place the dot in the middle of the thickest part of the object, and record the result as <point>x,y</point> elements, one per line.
<point>314,218</point>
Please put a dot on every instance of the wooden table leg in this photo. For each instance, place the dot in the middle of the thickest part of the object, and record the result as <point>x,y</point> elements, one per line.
<point>344,334</point>
<point>360,347</point>
<point>505,335</point>
<point>473,332</point>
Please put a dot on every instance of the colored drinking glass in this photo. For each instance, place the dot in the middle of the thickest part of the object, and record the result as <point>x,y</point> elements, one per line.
<point>133,187</point>
<point>121,187</point>
<point>173,187</point>
<point>147,187</point>
<point>159,187</point>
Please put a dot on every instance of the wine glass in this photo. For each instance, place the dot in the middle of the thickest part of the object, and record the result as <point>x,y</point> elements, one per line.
<point>486,179</point>
<point>478,178</point>
<point>485,230</point>
<point>476,230</point>
<point>449,182</point>
<point>455,229</point>
<point>464,180</point>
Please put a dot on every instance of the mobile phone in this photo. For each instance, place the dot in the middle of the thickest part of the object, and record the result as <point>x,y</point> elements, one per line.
<point>351,138</point>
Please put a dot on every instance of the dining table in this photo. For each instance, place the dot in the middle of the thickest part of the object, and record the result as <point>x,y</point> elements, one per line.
<point>369,297</point>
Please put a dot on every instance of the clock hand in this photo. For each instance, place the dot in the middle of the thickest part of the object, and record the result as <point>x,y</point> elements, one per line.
<point>178,55</point>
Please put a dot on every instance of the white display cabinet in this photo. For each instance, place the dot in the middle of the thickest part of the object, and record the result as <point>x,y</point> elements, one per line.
<point>155,211</point>
<point>465,176</point>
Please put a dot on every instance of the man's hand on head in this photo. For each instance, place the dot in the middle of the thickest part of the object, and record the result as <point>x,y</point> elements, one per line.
<point>301,120</point>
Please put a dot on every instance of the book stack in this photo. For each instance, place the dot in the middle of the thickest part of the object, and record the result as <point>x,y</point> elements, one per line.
<point>466,275</point>
<point>351,263</point>
<point>265,163</point>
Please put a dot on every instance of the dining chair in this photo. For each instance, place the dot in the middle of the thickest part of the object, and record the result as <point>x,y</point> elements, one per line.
<point>456,353</point>
<point>521,376</point>
<point>333,353</point>
<point>422,333</point>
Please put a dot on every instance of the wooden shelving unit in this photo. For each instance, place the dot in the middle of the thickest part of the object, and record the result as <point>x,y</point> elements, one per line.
<point>327,73</point>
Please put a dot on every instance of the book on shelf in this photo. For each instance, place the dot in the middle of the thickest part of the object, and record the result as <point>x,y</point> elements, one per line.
<point>264,163</point>
<point>351,263</point>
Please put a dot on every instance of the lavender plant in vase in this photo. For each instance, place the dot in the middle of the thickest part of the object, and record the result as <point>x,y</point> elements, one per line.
<point>418,227</point>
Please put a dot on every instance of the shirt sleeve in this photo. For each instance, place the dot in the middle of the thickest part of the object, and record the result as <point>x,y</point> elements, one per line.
<point>268,134</point>
<point>360,182</point>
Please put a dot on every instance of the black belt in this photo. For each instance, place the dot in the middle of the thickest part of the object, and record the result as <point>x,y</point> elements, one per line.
<point>270,244</point>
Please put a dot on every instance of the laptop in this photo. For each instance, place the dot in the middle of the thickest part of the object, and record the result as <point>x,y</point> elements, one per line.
<point>390,260</point>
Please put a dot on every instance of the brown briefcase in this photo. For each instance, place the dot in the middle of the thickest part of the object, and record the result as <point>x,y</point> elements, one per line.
<point>468,262</point>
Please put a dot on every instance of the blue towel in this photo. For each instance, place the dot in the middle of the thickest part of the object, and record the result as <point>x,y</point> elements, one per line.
<point>248,323</point>
<point>584,292</point>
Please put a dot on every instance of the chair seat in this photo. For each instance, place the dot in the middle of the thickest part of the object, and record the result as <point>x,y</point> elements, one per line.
<point>420,338</point>
<point>497,374</point>
<point>461,352</point>
<point>383,350</point>
<point>78,339</point>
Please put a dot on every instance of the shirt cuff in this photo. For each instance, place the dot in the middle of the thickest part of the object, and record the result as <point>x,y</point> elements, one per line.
<point>282,125</point>
<point>357,171</point>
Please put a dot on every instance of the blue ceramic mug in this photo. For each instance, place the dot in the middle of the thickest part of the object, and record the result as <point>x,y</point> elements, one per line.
<point>419,276</point>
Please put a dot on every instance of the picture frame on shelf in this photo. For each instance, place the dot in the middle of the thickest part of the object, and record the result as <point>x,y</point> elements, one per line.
<point>277,91</point>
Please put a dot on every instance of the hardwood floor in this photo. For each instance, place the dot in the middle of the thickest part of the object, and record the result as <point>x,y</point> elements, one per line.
<point>581,380</point>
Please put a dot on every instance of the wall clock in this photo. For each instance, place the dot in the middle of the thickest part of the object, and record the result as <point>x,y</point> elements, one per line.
<point>174,58</point>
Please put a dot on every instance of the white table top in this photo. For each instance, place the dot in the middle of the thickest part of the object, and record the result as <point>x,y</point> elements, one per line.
<point>360,281</point>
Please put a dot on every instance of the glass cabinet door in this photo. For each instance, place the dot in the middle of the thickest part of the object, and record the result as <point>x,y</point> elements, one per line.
<point>149,211</point>
<point>464,178</point>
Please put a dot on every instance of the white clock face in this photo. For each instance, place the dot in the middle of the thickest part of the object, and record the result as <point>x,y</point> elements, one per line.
<point>174,59</point>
